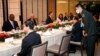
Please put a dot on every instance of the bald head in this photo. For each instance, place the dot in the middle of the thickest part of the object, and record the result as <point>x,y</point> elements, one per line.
<point>32,16</point>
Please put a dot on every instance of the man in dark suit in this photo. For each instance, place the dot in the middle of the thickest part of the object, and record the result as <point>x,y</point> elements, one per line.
<point>77,30</point>
<point>89,29</point>
<point>49,19</point>
<point>71,16</point>
<point>76,33</point>
<point>11,24</point>
<point>66,16</point>
<point>31,39</point>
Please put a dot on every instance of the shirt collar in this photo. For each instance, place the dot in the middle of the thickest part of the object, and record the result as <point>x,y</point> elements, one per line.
<point>29,32</point>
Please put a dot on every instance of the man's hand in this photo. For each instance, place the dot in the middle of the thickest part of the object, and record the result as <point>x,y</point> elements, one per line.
<point>84,33</point>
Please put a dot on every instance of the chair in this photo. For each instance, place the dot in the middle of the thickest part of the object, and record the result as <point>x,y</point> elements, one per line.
<point>98,38</point>
<point>79,44</point>
<point>39,50</point>
<point>60,49</point>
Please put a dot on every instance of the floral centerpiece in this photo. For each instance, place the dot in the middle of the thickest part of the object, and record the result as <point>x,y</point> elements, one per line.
<point>43,29</point>
<point>64,24</point>
<point>3,36</point>
<point>17,34</point>
<point>53,25</point>
<point>56,26</point>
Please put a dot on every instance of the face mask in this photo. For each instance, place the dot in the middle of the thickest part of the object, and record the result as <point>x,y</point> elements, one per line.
<point>77,11</point>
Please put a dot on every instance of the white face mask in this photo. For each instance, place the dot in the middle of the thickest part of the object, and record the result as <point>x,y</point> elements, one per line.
<point>77,11</point>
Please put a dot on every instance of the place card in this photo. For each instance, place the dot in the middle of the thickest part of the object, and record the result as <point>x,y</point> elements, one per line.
<point>8,40</point>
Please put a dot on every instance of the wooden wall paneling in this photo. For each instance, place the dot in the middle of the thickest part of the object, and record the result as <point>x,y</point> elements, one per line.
<point>14,8</point>
<point>44,10</point>
<point>62,7</point>
<point>1,15</point>
<point>40,11</point>
<point>24,9</point>
<point>72,4</point>
<point>29,8</point>
<point>51,6</point>
<point>35,9</point>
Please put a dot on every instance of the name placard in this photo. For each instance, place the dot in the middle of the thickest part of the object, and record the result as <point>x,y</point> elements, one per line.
<point>7,40</point>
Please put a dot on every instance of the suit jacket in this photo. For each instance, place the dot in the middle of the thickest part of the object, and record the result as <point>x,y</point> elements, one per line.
<point>65,18</point>
<point>49,20</point>
<point>30,40</point>
<point>8,27</point>
<point>77,32</point>
<point>71,17</point>
<point>89,23</point>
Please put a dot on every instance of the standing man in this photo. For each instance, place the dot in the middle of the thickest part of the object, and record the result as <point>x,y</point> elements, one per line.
<point>89,29</point>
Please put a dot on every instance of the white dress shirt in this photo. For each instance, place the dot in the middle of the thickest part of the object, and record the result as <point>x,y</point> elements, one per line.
<point>11,23</point>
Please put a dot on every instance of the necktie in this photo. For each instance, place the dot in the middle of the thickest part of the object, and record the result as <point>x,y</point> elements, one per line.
<point>13,24</point>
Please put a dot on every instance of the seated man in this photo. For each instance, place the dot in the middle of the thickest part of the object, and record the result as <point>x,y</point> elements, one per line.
<point>10,24</point>
<point>32,21</point>
<point>31,39</point>
<point>49,18</point>
<point>76,33</point>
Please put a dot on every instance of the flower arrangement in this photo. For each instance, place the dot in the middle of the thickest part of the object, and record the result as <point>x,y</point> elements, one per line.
<point>56,26</point>
<point>17,35</point>
<point>53,25</point>
<point>43,29</point>
<point>50,26</point>
<point>3,36</point>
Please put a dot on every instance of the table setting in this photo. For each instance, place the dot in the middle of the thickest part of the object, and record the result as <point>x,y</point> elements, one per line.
<point>51,34</point>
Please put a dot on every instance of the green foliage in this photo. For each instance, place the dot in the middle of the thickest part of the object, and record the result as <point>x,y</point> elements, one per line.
<point>43,29</point>
<point>17,35</point>
<point>56,26</point>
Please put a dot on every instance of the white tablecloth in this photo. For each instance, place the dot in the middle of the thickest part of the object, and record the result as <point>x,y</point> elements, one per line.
<point>8,49</point>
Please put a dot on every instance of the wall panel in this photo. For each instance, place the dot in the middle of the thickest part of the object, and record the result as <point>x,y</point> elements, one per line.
<point>51,7</point>
<point>29,8</point>
<point>24,9</point>
<point>37,7</point>
<point>40,10</point>
<point>14,8</point>
<point>1,15</point>
<point>44,10</point>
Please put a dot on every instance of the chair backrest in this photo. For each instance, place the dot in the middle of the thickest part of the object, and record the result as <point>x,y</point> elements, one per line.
<point>64,43</point>
<point>39,50</point>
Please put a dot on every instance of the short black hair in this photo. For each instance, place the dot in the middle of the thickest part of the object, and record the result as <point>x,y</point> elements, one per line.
<point>27,24</point>
<point>79,5</point>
